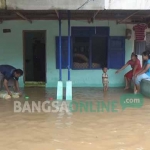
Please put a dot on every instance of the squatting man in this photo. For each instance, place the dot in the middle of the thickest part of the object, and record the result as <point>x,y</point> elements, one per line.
<point>9,76</point>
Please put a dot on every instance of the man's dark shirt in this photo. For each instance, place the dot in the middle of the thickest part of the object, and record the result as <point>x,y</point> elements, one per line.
<point>8,71</point>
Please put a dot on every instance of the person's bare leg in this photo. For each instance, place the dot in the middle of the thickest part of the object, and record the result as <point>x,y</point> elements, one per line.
<point>106,88</point>
<point>138,88</point>
<point>135,89</point>
<point>127,83</point>
<point>137,84</point>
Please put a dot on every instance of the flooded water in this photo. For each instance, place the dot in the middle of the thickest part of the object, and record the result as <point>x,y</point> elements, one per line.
<point>122,130</point>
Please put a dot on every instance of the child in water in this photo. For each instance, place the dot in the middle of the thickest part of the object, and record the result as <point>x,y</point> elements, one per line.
<point>105,79</point>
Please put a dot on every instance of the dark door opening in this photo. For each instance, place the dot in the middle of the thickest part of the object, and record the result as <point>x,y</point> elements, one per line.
<point>99,50</point>
<point>34,56</point>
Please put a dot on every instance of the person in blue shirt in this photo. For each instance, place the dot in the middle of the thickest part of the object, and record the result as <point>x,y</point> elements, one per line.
<point>144,73</point>
<point>9,76</point>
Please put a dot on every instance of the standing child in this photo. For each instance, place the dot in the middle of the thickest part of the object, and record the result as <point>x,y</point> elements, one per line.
<point>105,79</point>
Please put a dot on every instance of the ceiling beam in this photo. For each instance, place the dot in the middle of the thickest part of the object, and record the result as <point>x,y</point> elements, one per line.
<point>55,18</point>
<point>57,13</point>
<point>73,16</point>
<point>93,17</point>
<point>23,17</point>
<point>128,17</point>
<point>132,22</point>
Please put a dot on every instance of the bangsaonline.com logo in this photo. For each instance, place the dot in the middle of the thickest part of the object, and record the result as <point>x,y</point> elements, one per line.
<point>126,100</point>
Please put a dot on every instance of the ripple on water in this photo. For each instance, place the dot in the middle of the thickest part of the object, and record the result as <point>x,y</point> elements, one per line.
<point>69,123</point>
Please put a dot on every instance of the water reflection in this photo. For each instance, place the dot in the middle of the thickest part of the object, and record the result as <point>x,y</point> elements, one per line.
<point>124,130</point>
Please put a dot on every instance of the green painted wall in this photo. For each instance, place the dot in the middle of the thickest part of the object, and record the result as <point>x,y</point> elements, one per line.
<point>11,51</point>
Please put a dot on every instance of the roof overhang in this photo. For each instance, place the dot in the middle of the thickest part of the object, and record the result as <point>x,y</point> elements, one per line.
<point>76,4</point>
<point>55,4</point>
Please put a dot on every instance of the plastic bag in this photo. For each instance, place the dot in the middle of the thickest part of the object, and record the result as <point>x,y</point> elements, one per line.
<point>4,95</point>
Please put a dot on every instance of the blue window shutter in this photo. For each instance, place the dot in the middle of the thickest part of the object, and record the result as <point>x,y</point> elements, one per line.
<point>64,47</point>
<point>116,52</point>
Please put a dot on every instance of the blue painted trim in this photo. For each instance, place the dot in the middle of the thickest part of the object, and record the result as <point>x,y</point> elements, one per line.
<point>90,54</point>
<point>110,51</point>
<point>69,45</point>
<point>87,69</point>
<point>60,56</point>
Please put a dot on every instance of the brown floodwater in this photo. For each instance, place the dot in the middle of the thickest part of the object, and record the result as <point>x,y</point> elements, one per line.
<point>121,130</point>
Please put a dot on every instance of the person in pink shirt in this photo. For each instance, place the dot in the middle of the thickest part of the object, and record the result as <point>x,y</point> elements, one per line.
<point>136,67</point>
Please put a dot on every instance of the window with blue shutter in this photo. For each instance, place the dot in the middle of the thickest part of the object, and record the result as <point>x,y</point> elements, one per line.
<point>64,48</point>
<point>116,52</point>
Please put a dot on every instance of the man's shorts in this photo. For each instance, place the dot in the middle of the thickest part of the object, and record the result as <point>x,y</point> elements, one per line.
<point>10,82</point>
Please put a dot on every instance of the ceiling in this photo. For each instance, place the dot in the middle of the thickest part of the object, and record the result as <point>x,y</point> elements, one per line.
<point>121,16</point>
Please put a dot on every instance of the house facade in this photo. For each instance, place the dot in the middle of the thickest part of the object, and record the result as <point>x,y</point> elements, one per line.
<point>82,74</point>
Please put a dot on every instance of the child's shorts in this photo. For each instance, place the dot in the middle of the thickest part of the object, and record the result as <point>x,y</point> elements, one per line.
<point>105,82</point>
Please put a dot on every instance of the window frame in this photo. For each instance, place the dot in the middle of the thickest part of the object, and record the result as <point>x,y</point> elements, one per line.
<point>90,52</point>
<point>90,36</point>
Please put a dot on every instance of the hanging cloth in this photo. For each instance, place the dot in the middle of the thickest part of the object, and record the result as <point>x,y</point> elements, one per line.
<point>140,31</point>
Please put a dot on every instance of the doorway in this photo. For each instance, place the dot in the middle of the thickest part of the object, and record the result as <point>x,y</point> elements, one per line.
<point>34,56</point>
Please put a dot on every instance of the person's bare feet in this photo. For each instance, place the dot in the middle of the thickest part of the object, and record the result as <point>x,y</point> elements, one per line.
<point>135,91</point>
<point>126,88</point>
